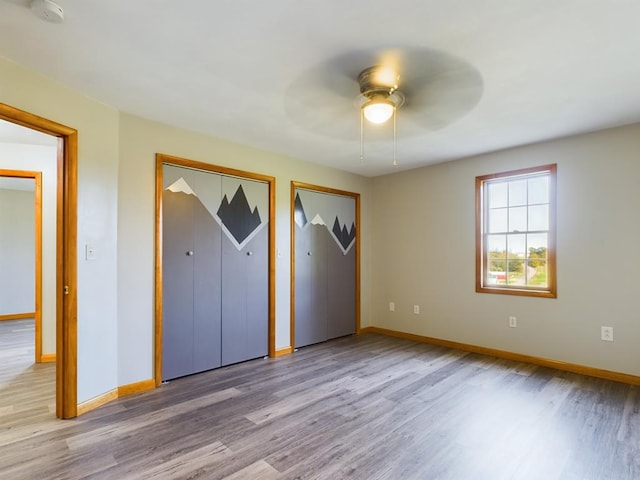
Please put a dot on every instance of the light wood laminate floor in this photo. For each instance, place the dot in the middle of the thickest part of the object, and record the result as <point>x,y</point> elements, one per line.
<point>367,407</point>
<point>27,390</point>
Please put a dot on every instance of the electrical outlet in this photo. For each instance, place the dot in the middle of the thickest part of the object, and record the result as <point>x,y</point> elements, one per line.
<point>606,334</point>
<point>513,322</point>
<point>416,309</point>
<point>392,307</point>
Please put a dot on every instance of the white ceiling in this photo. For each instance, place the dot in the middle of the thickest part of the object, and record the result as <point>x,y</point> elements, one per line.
<point>278,75</point>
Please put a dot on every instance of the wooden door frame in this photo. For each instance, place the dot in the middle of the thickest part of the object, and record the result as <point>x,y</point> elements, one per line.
<point>37,200</point>
<point>292,305</point>
<point>66,251</point>
<point>162,159</point>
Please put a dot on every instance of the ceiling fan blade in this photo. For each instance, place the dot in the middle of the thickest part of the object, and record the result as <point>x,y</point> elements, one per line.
<point>439,89</point>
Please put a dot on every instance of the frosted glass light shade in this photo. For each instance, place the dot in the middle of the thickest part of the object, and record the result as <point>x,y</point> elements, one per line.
<point>378,111</point>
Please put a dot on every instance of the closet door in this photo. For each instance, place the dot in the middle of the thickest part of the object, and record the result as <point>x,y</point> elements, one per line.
<point>310,285</point>
<point>177,293</point>
<point>245,269</point>
<point>207,270</point>
<point>191,272</point>
<point>341,287</point>
<point>325,266</point>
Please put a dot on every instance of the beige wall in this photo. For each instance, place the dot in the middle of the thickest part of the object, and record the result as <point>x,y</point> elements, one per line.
<point>424,251</point>
<point>140,140</point>
<point>97,126</point>
<point>41,158</point>
<point>17,250</point>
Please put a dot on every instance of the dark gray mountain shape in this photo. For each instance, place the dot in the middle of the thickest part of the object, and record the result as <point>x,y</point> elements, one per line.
<point>298,212</point>
<point>344,236</point>
<point>237,216</point>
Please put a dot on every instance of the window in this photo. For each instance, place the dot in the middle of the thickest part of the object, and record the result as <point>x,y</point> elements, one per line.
<point>515,232</point>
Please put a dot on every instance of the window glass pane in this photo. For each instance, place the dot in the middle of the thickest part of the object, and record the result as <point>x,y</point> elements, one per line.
<point>539,217</point>
<point>537,245</point>
<point>498,220</point>
<point>498,275</point>
<point>518,219</point>
<point>539,190</point>
<point>497,244</point>
<point>497,192</point>
<point>537,273</point>
<point>497,263</point>
<point>516,257</point>
<point>516,272</point>
<point>518,193</point>
<point>516,246</point>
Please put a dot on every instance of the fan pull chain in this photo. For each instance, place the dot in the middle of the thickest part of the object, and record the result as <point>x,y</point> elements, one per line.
<point>361,136</point>
<point>395,136</point>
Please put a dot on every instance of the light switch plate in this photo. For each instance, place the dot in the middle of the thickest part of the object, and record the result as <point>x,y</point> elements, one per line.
<point>90,252</point>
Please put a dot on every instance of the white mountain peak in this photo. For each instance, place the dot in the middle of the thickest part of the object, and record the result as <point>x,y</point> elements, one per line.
<point>181,185</point>
<point>317,220</point>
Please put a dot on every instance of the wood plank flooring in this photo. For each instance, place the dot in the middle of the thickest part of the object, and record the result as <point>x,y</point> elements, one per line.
<point>27,390</point>
<point>367,407</point>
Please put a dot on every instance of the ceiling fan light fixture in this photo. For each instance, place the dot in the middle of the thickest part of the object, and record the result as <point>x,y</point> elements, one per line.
<point>378,110</point>
<point>379,100</point>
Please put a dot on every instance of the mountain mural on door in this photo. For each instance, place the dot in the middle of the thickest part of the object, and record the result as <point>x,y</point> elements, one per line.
<point>237,219</point>
<point>325,268</point>
<point>237,216</point>
<point>343,236</point>
<point>215,254</point>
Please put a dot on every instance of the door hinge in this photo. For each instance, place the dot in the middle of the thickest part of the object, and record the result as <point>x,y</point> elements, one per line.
<point>66,289</point>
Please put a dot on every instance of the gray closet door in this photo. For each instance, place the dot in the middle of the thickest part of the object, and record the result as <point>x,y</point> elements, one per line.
<point>310,285</point>
<point>191,273</point>
<point>341,292</point>
<point>215,270</point>
<point>207,269</point>
<point>245,270</point>
<point>325,268</point>
<point>177,297</point>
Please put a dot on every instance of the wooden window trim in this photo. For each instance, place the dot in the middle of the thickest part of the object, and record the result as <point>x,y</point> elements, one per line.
<point>551,290</point>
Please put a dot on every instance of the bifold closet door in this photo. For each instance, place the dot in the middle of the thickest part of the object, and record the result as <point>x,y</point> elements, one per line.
<point>325,266</point>
<point>311,286</point>
<point>191,258</point>
<point>245,270</point>
<point>341,290</point>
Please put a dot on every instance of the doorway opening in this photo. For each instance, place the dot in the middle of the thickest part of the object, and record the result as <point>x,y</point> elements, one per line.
<point>21,252</point>
<point>66,248</point>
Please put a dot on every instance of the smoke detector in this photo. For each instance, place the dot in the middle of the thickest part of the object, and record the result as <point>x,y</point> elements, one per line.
<point>48,10</point>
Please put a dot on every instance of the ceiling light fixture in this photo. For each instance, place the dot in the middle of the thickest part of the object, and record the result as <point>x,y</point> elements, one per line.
<point>378,110</point>
<point>379,100</point>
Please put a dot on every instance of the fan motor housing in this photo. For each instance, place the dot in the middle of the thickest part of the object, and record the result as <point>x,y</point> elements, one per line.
<point>379,83</point>
<point>377,79</point>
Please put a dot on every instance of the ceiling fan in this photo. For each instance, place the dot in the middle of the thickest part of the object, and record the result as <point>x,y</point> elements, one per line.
<point>379,95</point>
<point>432,88</point>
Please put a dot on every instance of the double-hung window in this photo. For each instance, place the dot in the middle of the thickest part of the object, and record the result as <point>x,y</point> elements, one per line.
<point>515,232</point>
